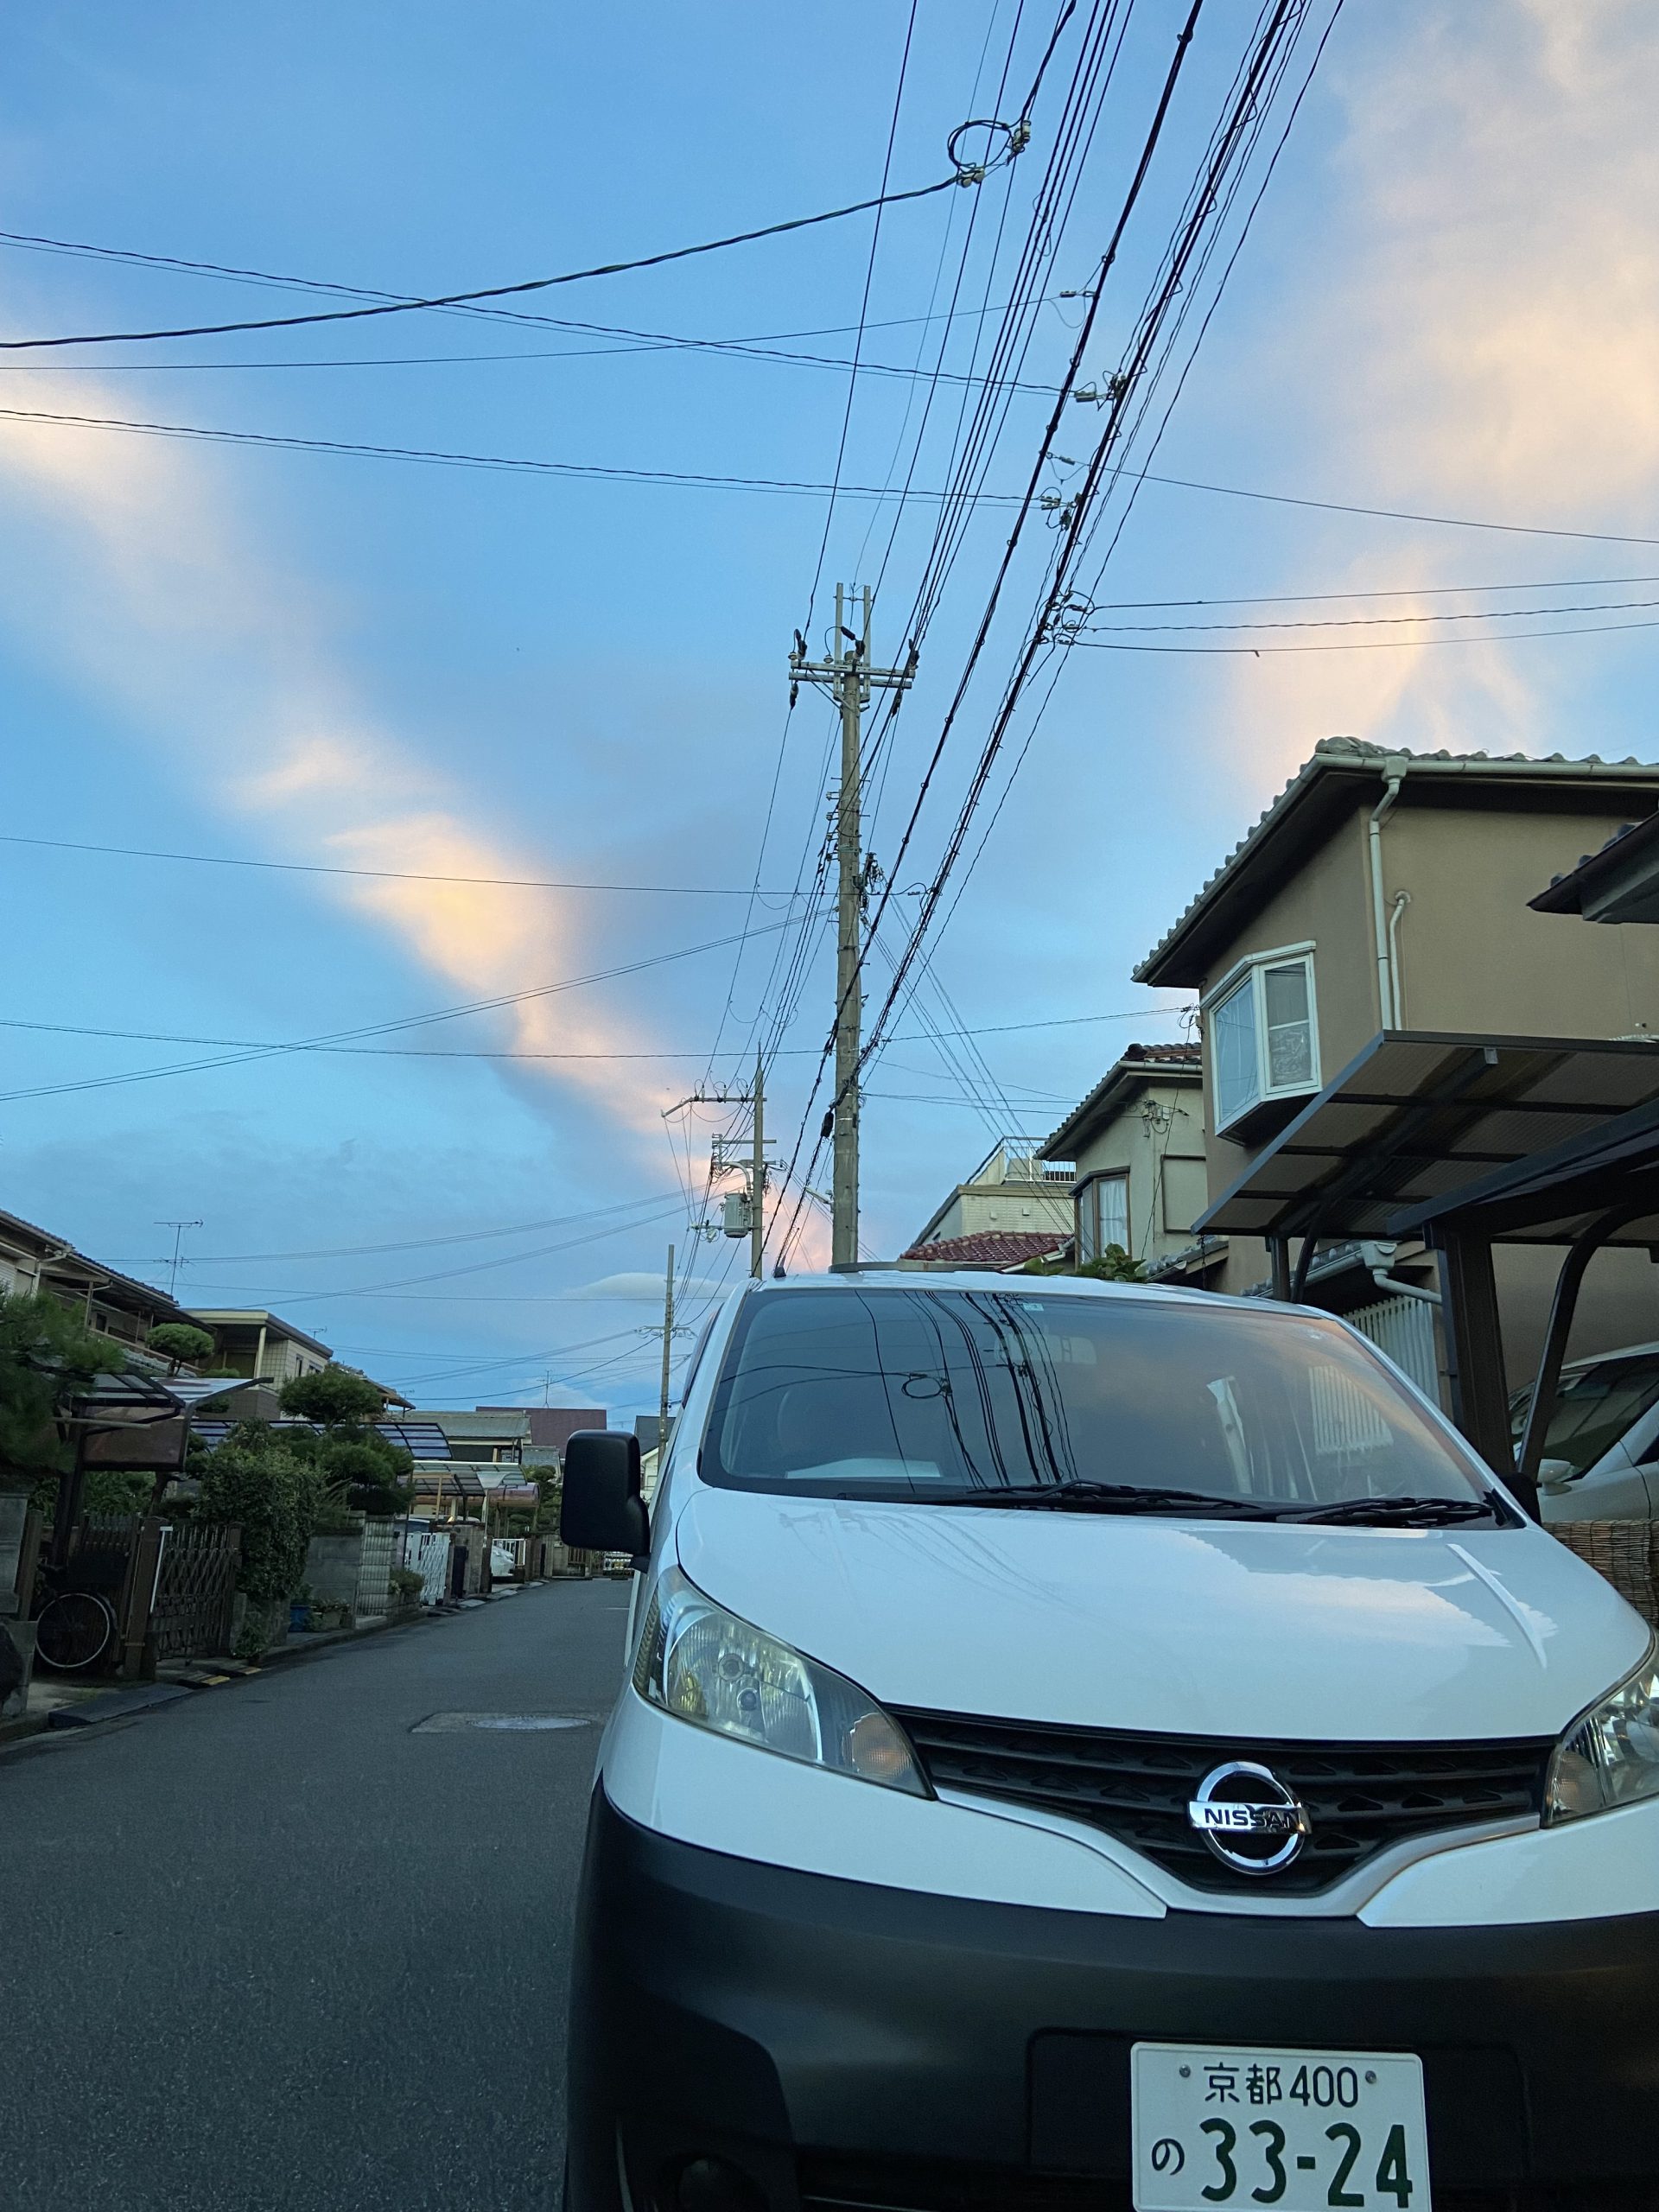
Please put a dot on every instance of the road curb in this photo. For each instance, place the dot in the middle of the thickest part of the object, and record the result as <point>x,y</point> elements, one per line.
<point>127,1703</point>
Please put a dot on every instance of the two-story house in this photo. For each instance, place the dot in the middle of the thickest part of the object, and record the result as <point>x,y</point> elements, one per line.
<point>249,1340</point>
<point>1387,890</point>
<point>33,1261</point>
<point>1136,1146</point>
<point>1015,1206</point>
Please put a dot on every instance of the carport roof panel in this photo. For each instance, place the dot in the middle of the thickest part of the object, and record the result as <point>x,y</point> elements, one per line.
<point>1417,1115</point>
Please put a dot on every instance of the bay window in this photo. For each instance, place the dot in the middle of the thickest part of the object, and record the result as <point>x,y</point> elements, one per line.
<point>1263,1033</point>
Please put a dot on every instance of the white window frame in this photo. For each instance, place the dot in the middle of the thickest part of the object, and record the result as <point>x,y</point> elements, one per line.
<point>1244,975</point>
<point>1088,1211</point>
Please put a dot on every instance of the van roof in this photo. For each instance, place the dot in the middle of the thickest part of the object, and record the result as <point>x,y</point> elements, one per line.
<point>885,1275</point>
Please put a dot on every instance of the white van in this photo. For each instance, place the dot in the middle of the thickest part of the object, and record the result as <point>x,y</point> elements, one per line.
<point>1092,1746</point>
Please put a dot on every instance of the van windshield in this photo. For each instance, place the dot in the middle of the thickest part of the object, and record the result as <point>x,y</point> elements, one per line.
<point>1010,1397</point>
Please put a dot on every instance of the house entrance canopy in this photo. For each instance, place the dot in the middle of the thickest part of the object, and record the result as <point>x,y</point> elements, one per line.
<point>1419,1119</point>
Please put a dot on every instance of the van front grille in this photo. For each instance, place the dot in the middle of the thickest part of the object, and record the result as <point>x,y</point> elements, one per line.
<point>1360,1798</point>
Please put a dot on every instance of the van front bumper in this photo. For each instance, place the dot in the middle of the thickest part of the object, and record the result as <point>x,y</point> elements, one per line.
<point>831,2041</point>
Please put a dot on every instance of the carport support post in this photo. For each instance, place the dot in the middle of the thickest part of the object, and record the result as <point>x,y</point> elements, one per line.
<point>1279,1263</point>
<point>1474,1344</point>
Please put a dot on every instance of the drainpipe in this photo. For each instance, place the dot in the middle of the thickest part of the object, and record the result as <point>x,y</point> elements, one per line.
<point>1396,1288</point>
<point>1402,901</point>
<point>1396,773</point>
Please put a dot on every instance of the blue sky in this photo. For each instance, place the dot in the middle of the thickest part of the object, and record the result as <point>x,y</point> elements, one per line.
<point>1446,304</point>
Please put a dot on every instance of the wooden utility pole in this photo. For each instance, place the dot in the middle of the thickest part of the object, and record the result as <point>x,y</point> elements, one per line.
<point>668,1353</point>
<point>846,674</point>
<point>758,1173</point>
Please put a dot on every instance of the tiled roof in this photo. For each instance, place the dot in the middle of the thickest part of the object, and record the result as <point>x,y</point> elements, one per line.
<point>551,1428</point>
<point>990,1248</point>
<point>1133,1059</point>
<point>1358,753</point>
<point>1566,889</point>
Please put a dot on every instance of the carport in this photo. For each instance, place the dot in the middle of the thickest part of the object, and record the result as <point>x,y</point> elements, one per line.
<point>1467,1141</point>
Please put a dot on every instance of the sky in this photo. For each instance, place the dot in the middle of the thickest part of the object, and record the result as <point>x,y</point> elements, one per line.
<point>1446,306</point>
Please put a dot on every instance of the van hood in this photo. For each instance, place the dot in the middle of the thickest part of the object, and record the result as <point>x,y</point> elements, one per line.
<point>1193,1628</point>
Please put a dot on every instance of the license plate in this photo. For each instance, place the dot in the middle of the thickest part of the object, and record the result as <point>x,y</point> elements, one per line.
<point>1300,2130</point>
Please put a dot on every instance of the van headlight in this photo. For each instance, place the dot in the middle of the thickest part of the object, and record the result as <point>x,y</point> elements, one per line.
<point>1611,1756</point>
<point>704,1665</point>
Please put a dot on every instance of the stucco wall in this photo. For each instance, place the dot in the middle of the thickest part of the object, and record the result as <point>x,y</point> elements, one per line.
<point>1136,1142</point>
<point>1005,1206</point>
<point>1473,956</point>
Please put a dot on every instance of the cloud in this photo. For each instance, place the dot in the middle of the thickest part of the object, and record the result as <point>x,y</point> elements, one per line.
<point>162,597</point>
<point>1476,331</point>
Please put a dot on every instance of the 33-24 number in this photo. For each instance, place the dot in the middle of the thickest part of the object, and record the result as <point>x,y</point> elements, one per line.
<point>1392,2178</point>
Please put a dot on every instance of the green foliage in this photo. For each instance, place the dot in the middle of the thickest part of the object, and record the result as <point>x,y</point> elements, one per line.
<point>117,1490</point>
<point>357,1464</point>
<point>48,1356</point>
<point>179,1342</point>
<point>275,1494</point>
<point>333,1397</point>
<point>406,1585</point>
<point>1114,1265</point>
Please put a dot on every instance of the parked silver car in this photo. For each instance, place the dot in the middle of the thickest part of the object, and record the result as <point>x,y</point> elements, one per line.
<point>1601,1455</point>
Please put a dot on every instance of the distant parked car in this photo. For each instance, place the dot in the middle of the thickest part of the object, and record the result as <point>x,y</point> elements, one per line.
<point>503,1561</point>
<point>1601,1455</point>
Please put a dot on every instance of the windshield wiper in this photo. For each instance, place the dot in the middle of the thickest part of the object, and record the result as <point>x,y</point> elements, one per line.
<point>1080,1495</point>
<point>1410,1512</point>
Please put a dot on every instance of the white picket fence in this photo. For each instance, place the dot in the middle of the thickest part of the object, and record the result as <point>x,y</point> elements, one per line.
<point>1404,1328</point>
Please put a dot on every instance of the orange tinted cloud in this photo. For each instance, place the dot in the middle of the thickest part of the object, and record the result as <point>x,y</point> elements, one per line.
<point>1474,331</point>
<point>152,588</point>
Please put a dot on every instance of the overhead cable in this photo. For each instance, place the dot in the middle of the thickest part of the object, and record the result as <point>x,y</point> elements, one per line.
<point>398,874</point>
<point>385,1028</point>
<point>963,174</point>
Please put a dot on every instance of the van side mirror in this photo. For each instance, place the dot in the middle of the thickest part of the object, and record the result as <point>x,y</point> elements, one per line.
<point>1556,1475</point>
<point>600,1509</point>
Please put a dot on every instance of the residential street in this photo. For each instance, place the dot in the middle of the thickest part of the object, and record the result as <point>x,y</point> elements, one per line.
<point>269,1951</point>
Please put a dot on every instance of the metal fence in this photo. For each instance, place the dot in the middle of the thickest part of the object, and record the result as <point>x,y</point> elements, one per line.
<point>426,1553</point>
<point>190,1616</point>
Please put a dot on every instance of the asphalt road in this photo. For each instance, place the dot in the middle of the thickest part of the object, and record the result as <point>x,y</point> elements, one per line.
<point>278,1949</point>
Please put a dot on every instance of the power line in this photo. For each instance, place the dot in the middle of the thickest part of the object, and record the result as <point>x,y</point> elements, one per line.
<point>519,464</point>
<point>963,175</point>
<point>1371,645</point>
<point>1244,121</point>
<point>423,1243</point>
<point>1385,621</point>
<point>1107,260</point>
<point>398,874</point>
<point>478,1267</point>
<point>431,456</point>
<point>385,1028</point>
<point>1396,514</point>
<point>254,1046</point>
<point>1393,591</point>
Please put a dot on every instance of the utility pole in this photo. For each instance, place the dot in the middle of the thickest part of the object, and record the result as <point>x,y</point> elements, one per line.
<point>757,1173</point>
<point>745,1210</point>
<point>178,1229</point>
<point>846,674</point>
<point>668,1353</point>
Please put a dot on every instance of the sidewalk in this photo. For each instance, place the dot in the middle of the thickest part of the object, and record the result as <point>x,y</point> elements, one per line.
<point>58,1703</point>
